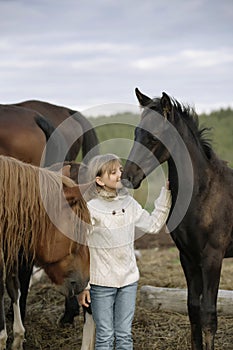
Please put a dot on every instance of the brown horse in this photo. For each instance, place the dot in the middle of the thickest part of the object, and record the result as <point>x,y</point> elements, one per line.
<point>28,194</point>
<point>76,129</point>
<point>24,134</point>
<point>78,133</point>
<point>202,200</point>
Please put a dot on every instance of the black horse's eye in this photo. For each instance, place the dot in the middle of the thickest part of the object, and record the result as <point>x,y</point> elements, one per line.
<point>153,138</point>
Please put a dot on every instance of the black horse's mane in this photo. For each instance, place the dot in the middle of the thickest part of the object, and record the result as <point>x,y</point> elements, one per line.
<point>191,119</point>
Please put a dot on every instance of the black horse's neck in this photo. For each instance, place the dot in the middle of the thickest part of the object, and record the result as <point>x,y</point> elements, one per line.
<point>182,175</point>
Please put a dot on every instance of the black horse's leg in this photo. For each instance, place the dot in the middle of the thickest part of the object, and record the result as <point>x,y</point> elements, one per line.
<point>71,310</point>
<point>211,267</point>
<point>13,289</point>
<point>3,332</point>
<point>194,283</point>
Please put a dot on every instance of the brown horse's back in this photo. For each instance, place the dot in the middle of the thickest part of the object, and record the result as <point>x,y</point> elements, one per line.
<point>76,129</point>
<point>20,136</point>
<point>56,114</point>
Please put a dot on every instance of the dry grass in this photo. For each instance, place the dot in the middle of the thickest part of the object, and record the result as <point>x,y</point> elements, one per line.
<point>151,329</point>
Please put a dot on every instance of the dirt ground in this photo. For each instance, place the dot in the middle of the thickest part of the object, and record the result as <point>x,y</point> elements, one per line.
<point>152,330</point>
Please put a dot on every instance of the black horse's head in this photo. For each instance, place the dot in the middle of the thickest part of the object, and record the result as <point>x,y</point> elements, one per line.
<point>151,139</point>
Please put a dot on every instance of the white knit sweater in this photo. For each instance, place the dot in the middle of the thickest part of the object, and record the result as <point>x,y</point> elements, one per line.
<point>111,242</point>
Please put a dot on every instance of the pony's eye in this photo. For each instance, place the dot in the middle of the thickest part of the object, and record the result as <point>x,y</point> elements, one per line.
<point>72,202</point>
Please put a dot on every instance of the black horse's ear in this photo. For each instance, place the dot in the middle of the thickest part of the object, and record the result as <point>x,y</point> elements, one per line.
<point>142,99</point>
<point>166,105</point>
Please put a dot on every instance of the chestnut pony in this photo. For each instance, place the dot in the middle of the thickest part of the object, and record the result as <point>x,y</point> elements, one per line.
<point>59,247</point>
<point>24,134</point>
<point>203,230</point>
<point>81,131</point>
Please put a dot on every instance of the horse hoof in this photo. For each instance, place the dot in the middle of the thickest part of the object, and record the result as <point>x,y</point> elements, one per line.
<point>3,339</point>
<point>71,310</point>
<point>18,342</point>
<point>66,321</point>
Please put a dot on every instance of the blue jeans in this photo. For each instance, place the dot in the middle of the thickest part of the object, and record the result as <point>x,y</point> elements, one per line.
<point>113,312</point>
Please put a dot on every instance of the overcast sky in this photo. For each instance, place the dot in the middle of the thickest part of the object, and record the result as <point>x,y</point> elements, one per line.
<point>83,53</point>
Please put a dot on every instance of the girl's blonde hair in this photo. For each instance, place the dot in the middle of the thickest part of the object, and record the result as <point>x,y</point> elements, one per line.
<point>101,164</point>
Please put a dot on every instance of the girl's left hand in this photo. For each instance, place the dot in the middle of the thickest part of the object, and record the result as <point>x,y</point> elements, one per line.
<point>84,298</point>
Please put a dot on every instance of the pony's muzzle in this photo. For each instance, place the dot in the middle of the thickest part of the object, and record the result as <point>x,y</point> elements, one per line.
<point>76,286</point>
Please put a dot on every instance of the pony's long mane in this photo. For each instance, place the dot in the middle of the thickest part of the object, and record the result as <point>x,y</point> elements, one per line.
<point>24,222</point>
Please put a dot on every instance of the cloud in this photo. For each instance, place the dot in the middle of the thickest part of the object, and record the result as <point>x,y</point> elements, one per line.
<point>89,52</point>
<point>154,63</point>
<point>187,58</point>
<point>211,58</point>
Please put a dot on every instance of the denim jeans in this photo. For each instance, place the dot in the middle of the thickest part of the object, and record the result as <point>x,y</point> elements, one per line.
<point>113,312</point>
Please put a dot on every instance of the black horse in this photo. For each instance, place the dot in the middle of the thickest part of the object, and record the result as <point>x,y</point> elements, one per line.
<point>200,220</point>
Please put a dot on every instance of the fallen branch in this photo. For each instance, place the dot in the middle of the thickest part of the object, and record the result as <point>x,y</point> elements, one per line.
<point>175,300</point>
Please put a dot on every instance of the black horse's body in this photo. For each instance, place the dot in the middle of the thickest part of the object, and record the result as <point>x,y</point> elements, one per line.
<point>201,220</point>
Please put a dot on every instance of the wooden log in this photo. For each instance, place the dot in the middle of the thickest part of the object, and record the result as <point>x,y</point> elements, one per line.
<point>175,300</point>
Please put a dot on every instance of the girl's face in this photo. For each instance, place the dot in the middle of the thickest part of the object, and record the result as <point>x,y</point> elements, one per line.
<point>111,182</point>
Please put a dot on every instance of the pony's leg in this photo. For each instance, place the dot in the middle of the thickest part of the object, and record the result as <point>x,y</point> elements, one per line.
<point>211,269</point>
<point>194,283</point>
<point>71,310</point>
<point>25,272</point>
<point>88,339</point>
<point>13,289</point>
<point>3,332</point>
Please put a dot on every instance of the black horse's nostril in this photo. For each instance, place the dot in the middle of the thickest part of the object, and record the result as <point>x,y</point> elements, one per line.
<point>127,183</point>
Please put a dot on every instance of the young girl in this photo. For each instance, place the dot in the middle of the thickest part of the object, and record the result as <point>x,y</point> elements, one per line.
<point>113,270</point>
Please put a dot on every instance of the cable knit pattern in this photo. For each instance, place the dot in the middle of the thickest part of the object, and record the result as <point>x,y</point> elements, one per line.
<point>111,241</point>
